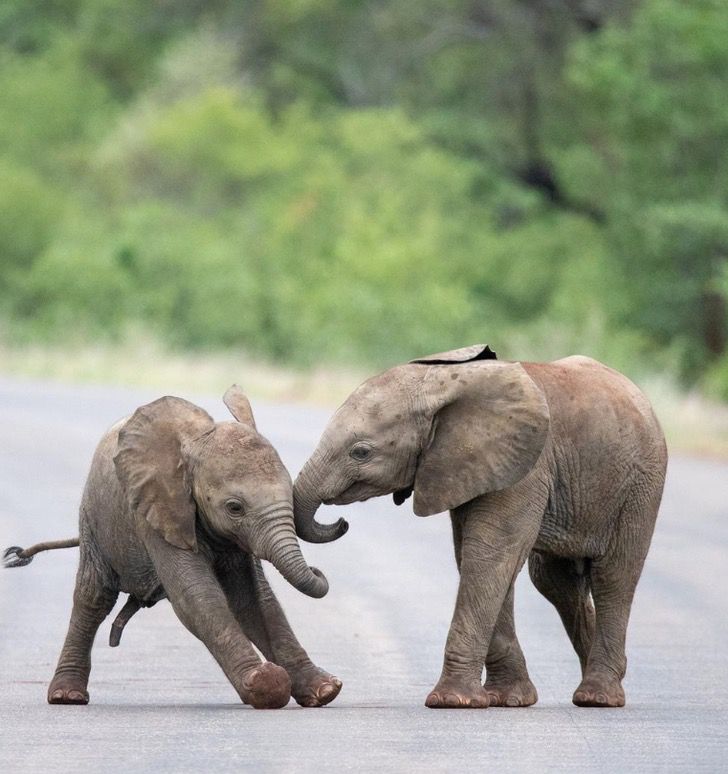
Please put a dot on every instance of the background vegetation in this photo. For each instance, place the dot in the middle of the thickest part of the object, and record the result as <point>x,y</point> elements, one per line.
<point>361,181</point>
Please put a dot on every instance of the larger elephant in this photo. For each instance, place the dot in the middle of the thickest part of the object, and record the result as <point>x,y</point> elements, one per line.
<point>179,506</point>
<point>560,463</point>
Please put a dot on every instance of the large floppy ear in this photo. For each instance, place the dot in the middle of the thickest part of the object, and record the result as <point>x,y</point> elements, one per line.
<point>238,405</point>
<point>489,426</point>
<point>153,471</point>
<point>463,355</point>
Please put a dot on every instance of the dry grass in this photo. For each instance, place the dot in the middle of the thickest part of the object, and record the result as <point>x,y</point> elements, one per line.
<point>692,423</point>
<point>145,363</point>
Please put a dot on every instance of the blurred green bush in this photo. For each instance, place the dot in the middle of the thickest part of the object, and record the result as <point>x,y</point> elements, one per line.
<point>324,181</point>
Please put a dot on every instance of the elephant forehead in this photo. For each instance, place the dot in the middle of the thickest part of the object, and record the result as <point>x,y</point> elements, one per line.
<point>369,411</point>
<point>388,390</point>
<point>235,448</point>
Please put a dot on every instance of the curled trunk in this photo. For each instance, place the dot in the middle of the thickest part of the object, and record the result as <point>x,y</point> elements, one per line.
<point>279,545</point>
<point>306,502</point>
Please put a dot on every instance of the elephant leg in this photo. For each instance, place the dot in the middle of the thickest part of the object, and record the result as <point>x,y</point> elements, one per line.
<point>201,604</point>
<point>567,586</point>
<point>614,578</point>
<point>507,682</point>
<point>497,532</point>
<point>93,599</point>
<point>260,614</point>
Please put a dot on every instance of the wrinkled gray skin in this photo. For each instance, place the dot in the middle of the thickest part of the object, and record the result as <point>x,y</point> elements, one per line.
<point>559,463</point>
<point>179,506</point>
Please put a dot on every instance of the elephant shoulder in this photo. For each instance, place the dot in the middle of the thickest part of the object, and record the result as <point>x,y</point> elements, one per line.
<point>584,386</point>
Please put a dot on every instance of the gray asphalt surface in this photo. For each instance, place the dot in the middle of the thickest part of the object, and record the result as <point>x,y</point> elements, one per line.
<point>160,703</point>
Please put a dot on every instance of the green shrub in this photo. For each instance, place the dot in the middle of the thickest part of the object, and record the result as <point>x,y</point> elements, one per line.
<point>30,212</point>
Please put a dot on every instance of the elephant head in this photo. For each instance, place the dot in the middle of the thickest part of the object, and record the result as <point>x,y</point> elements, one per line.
<point>183,472</point>
<point>449,427</point>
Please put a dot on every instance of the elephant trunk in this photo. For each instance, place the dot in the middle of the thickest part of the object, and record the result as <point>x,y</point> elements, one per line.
<point>279,545</point>
<point>306,502</point>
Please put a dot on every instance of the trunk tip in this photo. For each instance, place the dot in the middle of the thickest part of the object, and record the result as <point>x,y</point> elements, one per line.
<point>322,588</point>
<point>323,533</point>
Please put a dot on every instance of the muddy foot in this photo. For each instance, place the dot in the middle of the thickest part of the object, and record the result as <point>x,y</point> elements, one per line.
<point>521,693</point>
<point>267,687</point>
<point>65,689</point>
<point>599,691</point>
<point>315,688</point>
<point>457,695</point>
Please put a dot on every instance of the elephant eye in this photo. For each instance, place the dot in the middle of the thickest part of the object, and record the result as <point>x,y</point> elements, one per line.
<point>360,453</point>
<point>234,507</point>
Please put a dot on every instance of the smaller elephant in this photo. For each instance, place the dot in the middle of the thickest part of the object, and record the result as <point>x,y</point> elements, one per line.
<point>561,464</point>
<point>178,506</point>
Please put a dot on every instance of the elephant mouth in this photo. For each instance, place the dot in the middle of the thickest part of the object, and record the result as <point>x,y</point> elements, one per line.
<point>356,493</point>
<point>400,495</point>
<point>243,546</point>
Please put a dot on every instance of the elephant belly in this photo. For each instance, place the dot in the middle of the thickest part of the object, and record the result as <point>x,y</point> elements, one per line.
<point>137,575</point>
<point>573,533</point>
<point>145,587</point>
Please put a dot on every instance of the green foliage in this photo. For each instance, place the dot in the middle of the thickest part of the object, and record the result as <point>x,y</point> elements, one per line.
<point>75,290</point>
<point>51,108</point>
<point>30,211</point>
<point>321,180</point>
<point>651,107</point>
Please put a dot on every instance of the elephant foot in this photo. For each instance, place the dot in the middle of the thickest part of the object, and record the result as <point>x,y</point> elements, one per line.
<point>520,693</point>
<point>450,693</point>
<point>267,686</point>
<point>66,689</point>
<point>599,691</point>
<point>313,687</point>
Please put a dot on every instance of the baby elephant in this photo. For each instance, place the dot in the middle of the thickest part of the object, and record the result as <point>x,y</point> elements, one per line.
<point>559,463</point>
<point>179,506</point>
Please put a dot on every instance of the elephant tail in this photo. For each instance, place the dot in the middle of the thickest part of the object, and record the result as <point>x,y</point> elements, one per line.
<point>15,556</point>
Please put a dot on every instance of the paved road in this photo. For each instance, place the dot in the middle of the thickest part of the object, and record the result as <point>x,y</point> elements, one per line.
<point>160,703</point>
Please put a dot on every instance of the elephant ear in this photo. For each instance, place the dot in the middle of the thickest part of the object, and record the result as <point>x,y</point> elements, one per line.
<point>153,470</point>
<point>489,427</point>
<point>238,405</point>
<point>462,355</point>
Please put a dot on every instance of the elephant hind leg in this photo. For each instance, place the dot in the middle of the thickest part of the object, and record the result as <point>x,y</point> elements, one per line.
<point>566,583</point>
<point>93,598</point>
<point>614,579</point>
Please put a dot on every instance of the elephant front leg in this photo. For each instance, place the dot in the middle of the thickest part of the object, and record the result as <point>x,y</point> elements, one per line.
<point>200,603</point>
<point>262,618</point>
<point>496,536</point>
<point>311,686</point>
<point>507,682</point>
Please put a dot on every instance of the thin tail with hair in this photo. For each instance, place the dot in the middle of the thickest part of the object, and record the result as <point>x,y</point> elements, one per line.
<point>15,556</point>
